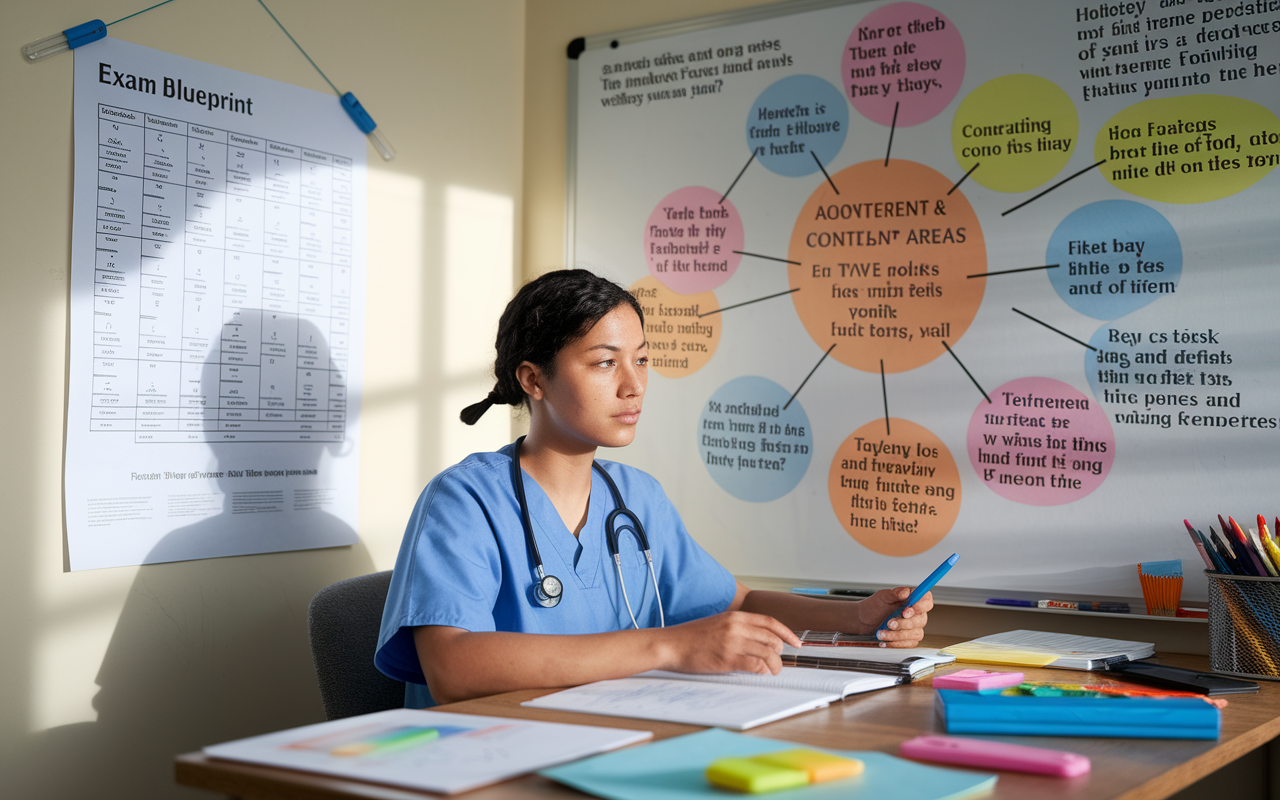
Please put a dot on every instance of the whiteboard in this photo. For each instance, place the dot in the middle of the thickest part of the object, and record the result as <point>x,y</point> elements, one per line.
<point>987,277</point>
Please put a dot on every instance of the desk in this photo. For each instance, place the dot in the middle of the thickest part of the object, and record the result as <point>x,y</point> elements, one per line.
<point>1123,769</point>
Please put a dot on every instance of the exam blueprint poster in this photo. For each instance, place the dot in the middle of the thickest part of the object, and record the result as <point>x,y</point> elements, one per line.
<point>988,277</point>
<point>217,313</point>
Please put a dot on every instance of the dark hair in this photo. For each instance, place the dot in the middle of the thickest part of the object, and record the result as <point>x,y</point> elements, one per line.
<point>548,313</point>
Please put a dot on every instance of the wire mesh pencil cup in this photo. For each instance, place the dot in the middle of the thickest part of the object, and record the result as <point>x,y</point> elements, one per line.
<point>1244,625</point>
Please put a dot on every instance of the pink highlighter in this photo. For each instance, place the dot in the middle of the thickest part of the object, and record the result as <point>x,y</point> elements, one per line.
<point>995,755</point>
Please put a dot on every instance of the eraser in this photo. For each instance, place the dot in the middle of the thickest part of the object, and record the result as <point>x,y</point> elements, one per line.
<point>820,766</point>
<point>977,680</point>
<point>746,775</point>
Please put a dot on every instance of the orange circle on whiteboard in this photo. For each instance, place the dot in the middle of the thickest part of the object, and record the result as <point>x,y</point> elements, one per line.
<point>898,494</point>
<point>883,265</point>
<point>680,341</point>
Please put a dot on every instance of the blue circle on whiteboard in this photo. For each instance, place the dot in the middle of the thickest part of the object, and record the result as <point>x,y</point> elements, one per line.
<point>795,119</point>
<point>753,447</point>
<point>1114,257</point>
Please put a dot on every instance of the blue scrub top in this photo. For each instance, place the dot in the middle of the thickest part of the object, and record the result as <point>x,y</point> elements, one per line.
<point>464,563</point>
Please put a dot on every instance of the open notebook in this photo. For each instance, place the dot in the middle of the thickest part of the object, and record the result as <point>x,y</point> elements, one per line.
<point>735,700</point>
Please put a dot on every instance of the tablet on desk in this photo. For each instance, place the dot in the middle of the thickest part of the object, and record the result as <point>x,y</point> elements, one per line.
<point>1185,680</point>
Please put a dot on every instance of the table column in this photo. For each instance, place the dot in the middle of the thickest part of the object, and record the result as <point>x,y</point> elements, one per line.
<point>340,318</point>
<point>314,289</point>
<point>117,263</point>
<point>160,301</point>
<point>202,302</point>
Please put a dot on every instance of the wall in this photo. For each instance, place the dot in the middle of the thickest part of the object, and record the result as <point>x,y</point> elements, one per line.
<point>105,675</point>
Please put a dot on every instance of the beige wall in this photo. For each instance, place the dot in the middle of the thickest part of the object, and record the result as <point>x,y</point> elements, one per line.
<point>105,675</point>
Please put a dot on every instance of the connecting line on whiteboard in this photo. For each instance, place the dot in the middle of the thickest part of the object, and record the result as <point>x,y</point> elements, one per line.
<point>810,375</point>
<point>757,300</point>
<point>349,102</point>
<point>965,178</point>
<point>824,171</point>
<point>768,258</point>
<point>966,371</point>
<point>1055,186</point>
<point>1011,271</point>
<point>884,392</point>
<point>1055,330</point>
<point>892,128</point>
<point>77,36</point>
<point>735,180</point>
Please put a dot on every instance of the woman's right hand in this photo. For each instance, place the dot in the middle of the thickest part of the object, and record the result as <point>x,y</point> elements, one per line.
<point>733,641</point>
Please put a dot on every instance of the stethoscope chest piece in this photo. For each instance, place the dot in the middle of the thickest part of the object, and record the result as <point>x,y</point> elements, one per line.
<point>548,590</point>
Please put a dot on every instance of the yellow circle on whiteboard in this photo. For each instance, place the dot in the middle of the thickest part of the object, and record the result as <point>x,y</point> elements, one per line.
<point>1019,129</point>
<point>682,332</point>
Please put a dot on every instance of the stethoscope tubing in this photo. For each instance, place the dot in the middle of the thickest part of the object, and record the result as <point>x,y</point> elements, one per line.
<point>549,589</point>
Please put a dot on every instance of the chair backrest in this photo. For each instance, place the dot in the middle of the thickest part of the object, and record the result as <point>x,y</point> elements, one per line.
<point>343,620</point>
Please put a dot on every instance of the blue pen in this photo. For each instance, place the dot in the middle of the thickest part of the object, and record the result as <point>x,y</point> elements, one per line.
<point>923,588</point>
<point>1006,601</point>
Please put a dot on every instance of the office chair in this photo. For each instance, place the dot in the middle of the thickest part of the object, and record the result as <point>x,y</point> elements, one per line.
<point>343,621</point>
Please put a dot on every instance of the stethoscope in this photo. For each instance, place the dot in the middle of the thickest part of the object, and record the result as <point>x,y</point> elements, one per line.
<point>548,590</point>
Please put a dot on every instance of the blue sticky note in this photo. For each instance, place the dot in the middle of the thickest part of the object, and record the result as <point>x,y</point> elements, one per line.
<point>1171,569</point>
<point>674,769</point>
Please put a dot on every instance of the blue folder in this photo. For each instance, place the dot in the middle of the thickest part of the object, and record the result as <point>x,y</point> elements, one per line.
<point>1126,717</point>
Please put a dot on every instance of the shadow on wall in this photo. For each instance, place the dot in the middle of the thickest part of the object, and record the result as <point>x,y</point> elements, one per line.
<point>220,640</point>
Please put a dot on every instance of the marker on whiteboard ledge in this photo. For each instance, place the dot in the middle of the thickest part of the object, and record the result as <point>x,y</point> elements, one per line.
<point>70,39</point>
<point>1104,607</point>
<point>367,126</point>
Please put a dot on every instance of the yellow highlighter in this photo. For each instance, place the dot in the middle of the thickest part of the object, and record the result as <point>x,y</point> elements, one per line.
<point>782,769</point>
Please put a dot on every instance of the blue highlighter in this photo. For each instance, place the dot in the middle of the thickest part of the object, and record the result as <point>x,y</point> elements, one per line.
<point>923,589</point>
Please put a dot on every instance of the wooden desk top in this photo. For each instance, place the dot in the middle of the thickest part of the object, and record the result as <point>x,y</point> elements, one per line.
<point>1123,769</point>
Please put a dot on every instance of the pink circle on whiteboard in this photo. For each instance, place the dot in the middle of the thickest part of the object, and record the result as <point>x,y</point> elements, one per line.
<point>1041,442</point>
<point>905,55</point>
<point>690,239</point>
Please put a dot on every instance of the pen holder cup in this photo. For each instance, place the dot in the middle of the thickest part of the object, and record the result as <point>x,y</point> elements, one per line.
<point>1244,625</point>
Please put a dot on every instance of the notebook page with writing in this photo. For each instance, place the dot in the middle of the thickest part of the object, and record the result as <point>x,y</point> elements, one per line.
<point>816,680</point>
<point>690,702</point>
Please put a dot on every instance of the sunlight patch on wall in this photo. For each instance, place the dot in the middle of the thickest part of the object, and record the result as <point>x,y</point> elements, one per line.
<point>478,281</point>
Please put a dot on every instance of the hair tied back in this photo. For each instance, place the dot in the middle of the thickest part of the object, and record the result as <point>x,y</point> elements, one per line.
<point>472,413</point>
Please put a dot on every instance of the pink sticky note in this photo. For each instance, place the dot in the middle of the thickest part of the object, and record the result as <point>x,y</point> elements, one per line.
<point>977,680</point>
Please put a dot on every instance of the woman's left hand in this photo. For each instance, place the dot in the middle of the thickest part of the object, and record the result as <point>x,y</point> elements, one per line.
<point>904,631</point>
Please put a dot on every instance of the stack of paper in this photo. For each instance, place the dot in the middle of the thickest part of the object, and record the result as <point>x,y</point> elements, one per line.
<point>907,664</point>
<point>428,750</point>
<point>1040,649</point>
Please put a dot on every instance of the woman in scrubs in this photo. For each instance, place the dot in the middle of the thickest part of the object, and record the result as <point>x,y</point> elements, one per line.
<point>463,618</point>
